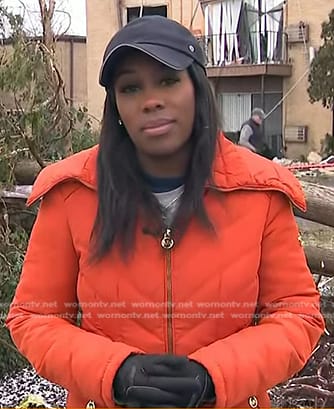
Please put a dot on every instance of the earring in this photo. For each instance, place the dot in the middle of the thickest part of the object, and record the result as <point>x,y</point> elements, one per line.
<point>120,123</point>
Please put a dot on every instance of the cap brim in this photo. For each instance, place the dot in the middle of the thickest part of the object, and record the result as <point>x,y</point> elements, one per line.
<point>166,56</point>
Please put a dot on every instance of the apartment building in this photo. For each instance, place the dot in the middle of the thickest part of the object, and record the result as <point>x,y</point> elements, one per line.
<point>298,111</point>
<point>258,54</point>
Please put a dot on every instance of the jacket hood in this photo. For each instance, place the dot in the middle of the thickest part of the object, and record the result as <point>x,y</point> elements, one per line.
<point>234,168</point>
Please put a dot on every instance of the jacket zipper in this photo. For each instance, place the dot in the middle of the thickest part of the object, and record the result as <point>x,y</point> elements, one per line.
<point>167,243</point>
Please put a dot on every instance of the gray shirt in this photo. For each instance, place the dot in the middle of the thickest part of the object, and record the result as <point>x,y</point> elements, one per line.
<point>169,202</point>
<point>245,134</point>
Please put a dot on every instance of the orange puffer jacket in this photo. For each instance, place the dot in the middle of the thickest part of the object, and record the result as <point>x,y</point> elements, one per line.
<point>195,297</point>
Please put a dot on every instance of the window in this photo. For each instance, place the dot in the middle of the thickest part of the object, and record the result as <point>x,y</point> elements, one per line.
<point>134,12</point>
<point>235,108</point>
<point>244,32</point>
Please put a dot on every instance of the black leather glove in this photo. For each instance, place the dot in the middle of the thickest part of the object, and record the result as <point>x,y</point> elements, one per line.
<point>162,381</point>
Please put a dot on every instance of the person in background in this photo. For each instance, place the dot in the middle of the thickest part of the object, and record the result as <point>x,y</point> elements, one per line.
<point>252,136</point>
<point>177,249</point>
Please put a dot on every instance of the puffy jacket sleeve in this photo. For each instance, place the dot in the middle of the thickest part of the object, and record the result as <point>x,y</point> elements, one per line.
<point>290,325</point>
<point>43,313</point>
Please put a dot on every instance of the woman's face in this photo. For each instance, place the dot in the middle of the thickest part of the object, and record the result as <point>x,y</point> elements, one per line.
<point>156,105</point>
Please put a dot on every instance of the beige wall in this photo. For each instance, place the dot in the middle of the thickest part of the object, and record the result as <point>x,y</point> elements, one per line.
<point>297,108</point>
<point>102,23</point>
<point>78,65</point>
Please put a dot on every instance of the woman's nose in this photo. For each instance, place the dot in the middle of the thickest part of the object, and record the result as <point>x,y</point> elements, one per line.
<point>152,102</point>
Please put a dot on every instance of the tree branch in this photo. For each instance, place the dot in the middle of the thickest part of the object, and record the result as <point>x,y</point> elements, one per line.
<point>69,23</point>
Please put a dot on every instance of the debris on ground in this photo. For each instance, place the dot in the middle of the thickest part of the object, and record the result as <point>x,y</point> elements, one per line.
<point>314,157</point>
<point>16,388</point>
<point>313,386</point>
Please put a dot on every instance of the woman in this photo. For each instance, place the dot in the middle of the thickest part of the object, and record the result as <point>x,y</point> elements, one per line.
<point>180,248</point>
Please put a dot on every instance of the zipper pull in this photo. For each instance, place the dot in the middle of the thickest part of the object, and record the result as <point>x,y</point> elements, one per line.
<point>253,402</point>
<point>167,241</point>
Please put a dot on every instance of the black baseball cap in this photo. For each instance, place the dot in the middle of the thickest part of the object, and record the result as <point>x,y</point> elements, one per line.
<point>163,39</point>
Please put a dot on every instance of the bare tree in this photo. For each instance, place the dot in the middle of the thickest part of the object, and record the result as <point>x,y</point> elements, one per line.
<point>47,12</point>
<point>40,122</point>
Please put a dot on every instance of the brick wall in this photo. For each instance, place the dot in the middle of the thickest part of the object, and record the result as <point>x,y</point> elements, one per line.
<point>297,108</point>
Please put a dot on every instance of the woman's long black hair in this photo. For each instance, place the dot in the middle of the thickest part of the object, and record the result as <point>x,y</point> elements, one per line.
<point>122,192</point>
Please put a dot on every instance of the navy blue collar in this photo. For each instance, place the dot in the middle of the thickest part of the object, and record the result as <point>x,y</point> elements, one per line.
<point>163,184</point>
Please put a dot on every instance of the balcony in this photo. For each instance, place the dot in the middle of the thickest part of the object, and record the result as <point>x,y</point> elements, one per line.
<point>257,54</point>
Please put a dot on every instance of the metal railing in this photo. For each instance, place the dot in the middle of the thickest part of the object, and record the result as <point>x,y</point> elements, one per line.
<point>253,48</point>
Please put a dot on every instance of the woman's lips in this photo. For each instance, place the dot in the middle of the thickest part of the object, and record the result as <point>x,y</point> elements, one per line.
<point>158,128</point>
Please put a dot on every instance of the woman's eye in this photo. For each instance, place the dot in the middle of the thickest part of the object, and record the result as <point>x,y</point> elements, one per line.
<point>169,81</point>
<point>129,89</point>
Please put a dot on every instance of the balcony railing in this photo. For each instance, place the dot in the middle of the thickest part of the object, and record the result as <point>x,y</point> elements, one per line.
<point>255,48</point>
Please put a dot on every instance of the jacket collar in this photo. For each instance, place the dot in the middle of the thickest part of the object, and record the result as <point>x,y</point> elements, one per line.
<point>234,168</point>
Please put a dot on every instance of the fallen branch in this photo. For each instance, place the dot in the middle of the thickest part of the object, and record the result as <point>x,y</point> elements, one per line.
<point>308,391</point>
<point>320,204</point>
<point>320,261</point>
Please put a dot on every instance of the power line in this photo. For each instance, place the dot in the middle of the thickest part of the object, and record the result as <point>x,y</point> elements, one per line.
<point>292,88</point>
<point>194,14</point>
